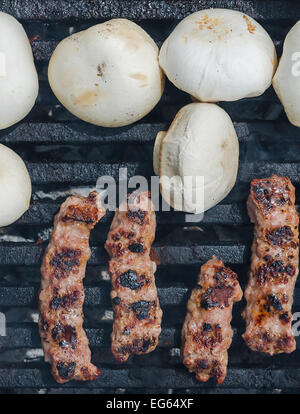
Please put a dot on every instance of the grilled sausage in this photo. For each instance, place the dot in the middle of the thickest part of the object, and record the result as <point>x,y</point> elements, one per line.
<point>274,266</point>
<point>61,295</point>
<point>137,314</point>
<point>206,332</point>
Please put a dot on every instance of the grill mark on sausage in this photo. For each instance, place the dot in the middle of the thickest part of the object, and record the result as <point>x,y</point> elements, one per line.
<point>66,335</point>
<point>275,271</point>
<point>273,302</point>
<point>138,216</point>
<point>130,279</point>
<point>271,306</point>
<point>202,364</point>
<point>142,308</point>
<point>265,193</point>
<point>216,297</point>
<point>210,336</point>
<point>65,262</point>
<point>116,301</point>
<point>66,370</point>
<point>136,247</point>
<point>284,317</point>
<point>280,236</point>
<point>66,301</point>
<point>219,294</point>
<point>138,346</point>
<point>87,214</point>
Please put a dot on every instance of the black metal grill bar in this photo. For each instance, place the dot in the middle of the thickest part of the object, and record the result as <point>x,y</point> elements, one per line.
<point>12,254</point>
<point>98,296</point>
<point>166,356</point>
<point>27,337</point>
<point>77,132</point>
<point>42,213</point>
<point>85,173</point>
<point>142,9</point>
<point>26,296</point>
<point>79,172</point>
<point>183,277</point>
<point>140,377</point>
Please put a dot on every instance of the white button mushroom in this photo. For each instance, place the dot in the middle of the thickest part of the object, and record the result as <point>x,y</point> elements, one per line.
<point>18,77</point>
<point>286,81</point>
<point>15,186</point>
<point>107,75</point>
<point>219,55</point>
<point>201,142</point>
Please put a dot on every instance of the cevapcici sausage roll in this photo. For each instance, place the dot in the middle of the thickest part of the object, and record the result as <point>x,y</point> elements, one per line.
<point>61,296</point>
<point>206,332</point>
<point>274,266</point>
<point>137,314</point>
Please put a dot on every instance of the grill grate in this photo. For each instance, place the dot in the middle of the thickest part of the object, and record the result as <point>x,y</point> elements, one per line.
<point>54,146</point>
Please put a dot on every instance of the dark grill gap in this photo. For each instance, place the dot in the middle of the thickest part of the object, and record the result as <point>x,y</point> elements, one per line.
<point>56,148</point>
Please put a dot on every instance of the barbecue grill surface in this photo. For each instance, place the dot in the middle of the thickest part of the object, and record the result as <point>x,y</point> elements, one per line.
<point>64,155</point>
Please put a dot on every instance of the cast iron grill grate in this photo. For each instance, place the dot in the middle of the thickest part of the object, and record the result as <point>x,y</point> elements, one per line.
<point>65,155</point>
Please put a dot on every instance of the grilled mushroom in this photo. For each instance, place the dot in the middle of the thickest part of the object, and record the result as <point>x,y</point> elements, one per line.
<point>107,75</point>
<point>15,186</point>
<point>219,55</point>
<point>286,81</point>
<point>201,142</point>
<point>18,76</point>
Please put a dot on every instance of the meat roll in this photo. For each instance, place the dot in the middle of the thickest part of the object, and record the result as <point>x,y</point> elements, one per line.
<point>61,295</point>
<point>137,314</point>
<point>274,266</point>
<point>206,332</point>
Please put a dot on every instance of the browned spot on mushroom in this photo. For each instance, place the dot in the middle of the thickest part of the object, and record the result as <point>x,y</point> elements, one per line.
<point>208,22</point>
<point>251,27</point>
<point>224,144</point>
<point>86,98</point>
<point>139,77</point>
<point>100,69</point>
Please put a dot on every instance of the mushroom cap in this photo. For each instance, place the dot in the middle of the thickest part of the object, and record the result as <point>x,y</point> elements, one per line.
<point>107,75</point>
<point>286,81</point>
<point>201,142</point>
<point>15,186</point>
<point>219,55</point>
<point>18,76</point>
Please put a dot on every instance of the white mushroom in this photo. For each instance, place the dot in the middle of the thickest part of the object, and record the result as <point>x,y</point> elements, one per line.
<point>201,142</point>
<point>107,75</point>
<point>219,55</point>
<point>18,77</point>
<point>286,81</point>
<point>15,186</point>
